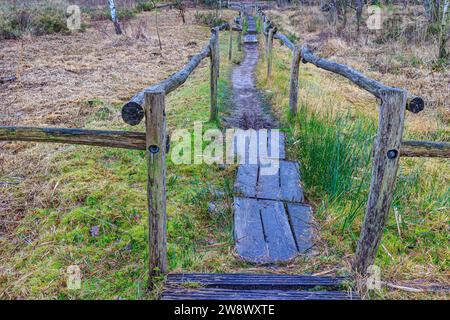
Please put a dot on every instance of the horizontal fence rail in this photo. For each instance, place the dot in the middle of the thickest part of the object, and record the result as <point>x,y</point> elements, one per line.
<point>136,140</point>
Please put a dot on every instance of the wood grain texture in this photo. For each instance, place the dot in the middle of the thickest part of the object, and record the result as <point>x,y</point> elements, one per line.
<point>214,73</point>
<point>156,184</point>
<point>277,231</point>
<point>270,35</point>
<point>290,188</point>
<point>384,173</point>
<point>99,138</point>
<point>251,281</point>
<point>425,149</point>
<point>300,217</point>
<point>227,294</point>
<point>248,231</point>
<point>293,81</point>
<point>246,180</point>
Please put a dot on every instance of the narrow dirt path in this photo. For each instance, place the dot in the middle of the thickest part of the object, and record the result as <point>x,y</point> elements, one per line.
<point>247,111</point>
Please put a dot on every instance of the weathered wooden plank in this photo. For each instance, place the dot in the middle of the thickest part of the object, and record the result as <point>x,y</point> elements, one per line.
<point>246,180</point>
<point>300,217</point>
<point>155,126</point>
<point>250,38</point>
<point>384,174</point>
<point>268,186</point>
<point>290,182</point>
<point>257,281</point>
<point>226,294</point>
<point>276,150</point>
<point>248,231</point>
<point>277,231</point>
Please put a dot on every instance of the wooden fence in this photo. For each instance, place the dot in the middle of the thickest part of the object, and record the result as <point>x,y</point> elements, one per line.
<point>388,145</point>
<point>148,104</point>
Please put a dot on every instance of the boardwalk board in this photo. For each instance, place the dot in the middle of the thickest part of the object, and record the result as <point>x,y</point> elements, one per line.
<point>248,281</point>
<point>246,179</point>
<point>276,151</point>
<point>300,217</point>
<point>290,182</point>
<point>249,232</point>
<point>268,185</point>
<point>250,38</point>
<point>227,294</point>
<point>277,231</point>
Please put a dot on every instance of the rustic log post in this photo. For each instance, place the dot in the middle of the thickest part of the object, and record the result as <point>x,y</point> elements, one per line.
<point>214,73</point>
<point>293,82</point>
<point>239,41</point>
<point>269,45</point>
<point>230,47</point>
<point>155,124</point>
<point>384,171</point>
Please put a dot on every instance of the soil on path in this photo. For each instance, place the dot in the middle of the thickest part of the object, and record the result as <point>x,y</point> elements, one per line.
<point>248,110</point>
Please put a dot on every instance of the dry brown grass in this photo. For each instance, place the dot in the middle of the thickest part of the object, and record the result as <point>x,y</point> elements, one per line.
<point>398,63</point>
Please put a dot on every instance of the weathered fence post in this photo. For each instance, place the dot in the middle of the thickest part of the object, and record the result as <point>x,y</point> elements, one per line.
<point>214,72</point>
<point>269,45</point>
<point>155,124</point>
<point>239,41</point>
<point>230,47</point>
<point>293,82</point>
<point>384,172</point>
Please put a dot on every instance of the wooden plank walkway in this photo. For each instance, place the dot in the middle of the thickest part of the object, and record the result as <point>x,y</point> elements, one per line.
<point>242,286</point>
<point>271,222</point>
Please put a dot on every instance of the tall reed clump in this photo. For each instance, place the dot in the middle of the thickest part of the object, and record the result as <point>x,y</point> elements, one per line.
<point>334,151</point>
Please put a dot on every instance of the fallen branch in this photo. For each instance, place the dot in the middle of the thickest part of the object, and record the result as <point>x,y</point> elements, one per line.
<point>8,79</point>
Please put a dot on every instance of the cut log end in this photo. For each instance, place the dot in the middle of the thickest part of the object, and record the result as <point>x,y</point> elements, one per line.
<point>415,104</point>
<point>132,113</point>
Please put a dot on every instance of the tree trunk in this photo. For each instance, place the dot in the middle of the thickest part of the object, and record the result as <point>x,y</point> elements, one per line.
<point>443,34</point>
<point>359,9</point>
<point>114,18</point>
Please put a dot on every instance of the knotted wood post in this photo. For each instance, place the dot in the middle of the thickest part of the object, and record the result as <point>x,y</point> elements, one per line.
<point>230,47</point>
<point>293,82</point>
<point>269,45</point>
<point>384,172</point>
<point>214,72</point>
<point>155,129</point>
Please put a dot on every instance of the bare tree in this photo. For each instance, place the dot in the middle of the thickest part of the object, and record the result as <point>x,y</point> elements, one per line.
<point>114,18</point>
<point>443,34</point>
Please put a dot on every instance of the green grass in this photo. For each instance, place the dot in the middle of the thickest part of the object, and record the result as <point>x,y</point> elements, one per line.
<point>333,139</point>
<point>97,215</point>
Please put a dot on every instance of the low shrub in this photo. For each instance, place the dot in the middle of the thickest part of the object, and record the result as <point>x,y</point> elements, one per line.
<point>209,19</point>
<point>37,21</point>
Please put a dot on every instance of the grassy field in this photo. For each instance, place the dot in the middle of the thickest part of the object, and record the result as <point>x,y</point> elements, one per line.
<point>96,215</point>
<point>332,137</point>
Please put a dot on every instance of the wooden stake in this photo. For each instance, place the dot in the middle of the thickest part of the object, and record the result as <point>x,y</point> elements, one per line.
<point>155,123</point>
<point>293,82</point>
<point>269,51</point>
<point>230,47</point>
<point>384,172</point>
<point>214,73</point>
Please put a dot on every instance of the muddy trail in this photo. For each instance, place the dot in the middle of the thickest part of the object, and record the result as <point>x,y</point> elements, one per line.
<point>248,110</point>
